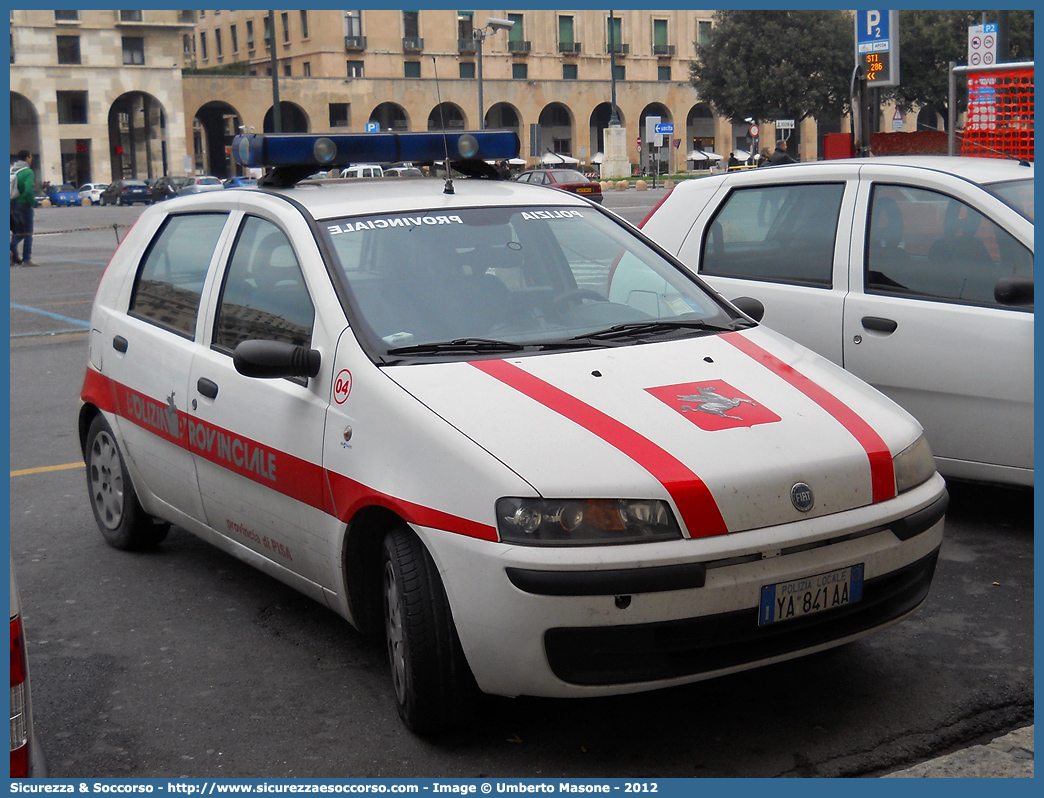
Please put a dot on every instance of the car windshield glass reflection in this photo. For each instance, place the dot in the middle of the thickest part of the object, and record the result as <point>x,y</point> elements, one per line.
<point>489,280</point>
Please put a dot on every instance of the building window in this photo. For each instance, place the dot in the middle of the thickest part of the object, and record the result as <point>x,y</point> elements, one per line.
<point>355,69</point>
<point>203,45</point>
<point>520,71</point>
<point>72,107</point>
<point>465,24</point>
<point>66,16</point>
<point>68,49</point>
<point>703,29</point>
<point>130,16</point>
<point>568,71</point>
<point>467,70</point>
<point>250,34</point>
<point>517,32</point>
<point>565,30</point>
<point>663,73</point>
<point>306,69</point>
<point>287,70</point>
<point>353,23</point>
<point>304,24</point>
<point>134,51</point>
<point>234,37</point>
<point>286,27</point>
<point>219,49</point>
<point>659,37</point>
<point>339,114</point>
<point>614,26</point>
<point>411,24</point>
<point>188,45</point>
<point>620,73</point>
<point>411,69</point>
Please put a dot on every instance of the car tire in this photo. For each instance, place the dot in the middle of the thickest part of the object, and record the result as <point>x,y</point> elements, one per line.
<point>122,520</point>
<point>434,687</point>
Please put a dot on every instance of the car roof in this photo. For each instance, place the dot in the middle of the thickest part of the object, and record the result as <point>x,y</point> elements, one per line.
<point>977,170</point>
<point>328,199</point>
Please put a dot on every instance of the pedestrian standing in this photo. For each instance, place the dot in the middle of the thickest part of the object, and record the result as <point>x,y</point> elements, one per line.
<point>781,155</point>
<point>22,200</point>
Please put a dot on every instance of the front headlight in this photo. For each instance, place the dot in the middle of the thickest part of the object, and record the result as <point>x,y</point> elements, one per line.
<point>584,522</point>
<point>914,465</point>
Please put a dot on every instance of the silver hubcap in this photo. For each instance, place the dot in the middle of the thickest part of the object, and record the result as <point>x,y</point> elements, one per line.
<point>106,480</point>
<point>393,632</point>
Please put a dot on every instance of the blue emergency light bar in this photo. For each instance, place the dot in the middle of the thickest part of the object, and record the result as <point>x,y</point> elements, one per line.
<point>327,151</point>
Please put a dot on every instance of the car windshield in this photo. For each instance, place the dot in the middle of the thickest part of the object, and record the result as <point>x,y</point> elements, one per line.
<point>481,280</point>
<point>567,176</point>
<point>1016,193</point>
<point>209,181</point>
<point>65,188</point>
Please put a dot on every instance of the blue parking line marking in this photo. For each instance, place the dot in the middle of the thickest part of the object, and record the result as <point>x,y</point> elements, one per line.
<point>58,316</point>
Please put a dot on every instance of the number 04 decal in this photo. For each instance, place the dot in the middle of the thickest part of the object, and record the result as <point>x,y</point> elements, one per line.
<point>342,386</point>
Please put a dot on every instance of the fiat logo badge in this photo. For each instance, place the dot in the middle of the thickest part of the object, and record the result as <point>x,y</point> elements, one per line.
<point>801,496</point>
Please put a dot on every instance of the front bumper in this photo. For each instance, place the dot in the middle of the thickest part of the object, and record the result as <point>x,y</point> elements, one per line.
<point>618,619</point>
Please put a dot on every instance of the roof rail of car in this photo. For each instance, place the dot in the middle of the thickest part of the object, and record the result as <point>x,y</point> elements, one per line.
<point>291,157</point>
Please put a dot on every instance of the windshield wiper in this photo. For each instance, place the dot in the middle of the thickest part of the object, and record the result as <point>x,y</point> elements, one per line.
<point>458,345</point>
<point>637,329</point>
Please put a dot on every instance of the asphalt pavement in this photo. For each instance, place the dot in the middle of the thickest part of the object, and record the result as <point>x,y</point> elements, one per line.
<point>1010,756</point>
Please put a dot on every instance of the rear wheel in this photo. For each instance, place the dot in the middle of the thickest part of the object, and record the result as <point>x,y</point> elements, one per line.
<point>121,519</point>
<point>434,688</point>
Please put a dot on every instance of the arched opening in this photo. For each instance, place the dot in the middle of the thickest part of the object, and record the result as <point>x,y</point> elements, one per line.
<point>292,119</point>
<point>556,129</point>
<point>25,128</point>
<point>390,117</point>
<point>656,159</point>
<point>446,116</point>
<point>138,145</point>
<point>504,116</point>
<point>215,125</point>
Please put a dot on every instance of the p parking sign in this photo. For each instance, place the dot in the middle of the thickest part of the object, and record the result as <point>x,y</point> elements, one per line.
<point>877,46</point>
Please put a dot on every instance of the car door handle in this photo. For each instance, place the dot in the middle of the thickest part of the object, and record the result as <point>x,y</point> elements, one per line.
<point>878,324</point>
<point>119,343</point>
<point>207,387</point>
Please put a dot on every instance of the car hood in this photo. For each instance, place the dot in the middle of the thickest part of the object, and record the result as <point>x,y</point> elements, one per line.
<point>723,427</point>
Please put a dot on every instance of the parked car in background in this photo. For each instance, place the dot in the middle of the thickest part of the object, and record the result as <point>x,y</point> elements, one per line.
<point>363,170</point>
<point>92,192</point>
<point>126,192</point>
<point>914,273</point>
<point>63,196</point>
<point>167,187</point>
<point>240,181</point>
<point>403,171</point>
<point>26,755</point>
<point>200,184</point>
<point>564,179</point>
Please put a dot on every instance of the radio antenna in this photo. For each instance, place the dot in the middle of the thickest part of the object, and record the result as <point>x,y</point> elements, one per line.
<point>442,118</point>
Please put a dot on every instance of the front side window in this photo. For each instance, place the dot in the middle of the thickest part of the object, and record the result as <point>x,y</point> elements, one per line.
<point>482,280</point>
<point>782,234</point>
<point>264,295</point>
<point>171,275</point>
<point>928,245</point>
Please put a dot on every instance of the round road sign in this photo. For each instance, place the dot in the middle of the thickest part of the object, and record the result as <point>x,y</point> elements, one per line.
<point>754,131</point>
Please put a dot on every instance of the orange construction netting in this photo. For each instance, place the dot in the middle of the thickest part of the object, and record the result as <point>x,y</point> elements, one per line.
<point>1000,114</point>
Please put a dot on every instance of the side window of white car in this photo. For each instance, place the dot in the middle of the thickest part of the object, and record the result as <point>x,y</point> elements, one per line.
<point>264,295</point>
<point>929,245</point>
<point>780,234</point>
<point>170,278</point>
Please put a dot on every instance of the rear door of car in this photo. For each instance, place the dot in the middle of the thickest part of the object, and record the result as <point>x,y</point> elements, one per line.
<point>784,241</point>
<point>922,323</point>
<point>259,442</point>
<point>147,351</point>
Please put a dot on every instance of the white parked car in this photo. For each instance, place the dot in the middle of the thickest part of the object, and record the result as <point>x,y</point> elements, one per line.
<point>92,192</point>
<point>363,170</point>
<point>200,184</point>
<point>497,424</point>
<point>914,273</point>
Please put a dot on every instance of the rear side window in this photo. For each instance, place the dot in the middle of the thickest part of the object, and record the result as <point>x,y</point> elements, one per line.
<point>264,295</point>
<point>929,245</point>
<point>781,234</point>
<point>171,275</point>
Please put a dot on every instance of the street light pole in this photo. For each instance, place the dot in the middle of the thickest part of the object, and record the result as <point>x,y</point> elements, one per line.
<point>493,24</point>
<point>614,118</point>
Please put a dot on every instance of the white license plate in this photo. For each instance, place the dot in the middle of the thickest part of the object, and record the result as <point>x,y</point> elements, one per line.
<point>797,598</point>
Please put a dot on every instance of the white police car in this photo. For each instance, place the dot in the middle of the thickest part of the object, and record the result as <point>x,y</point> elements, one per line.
<point>497,423</point>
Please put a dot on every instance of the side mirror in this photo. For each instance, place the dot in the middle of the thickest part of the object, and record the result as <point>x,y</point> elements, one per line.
<point>1014,291</point>
<point>751,306</point>
<point>275,359</point>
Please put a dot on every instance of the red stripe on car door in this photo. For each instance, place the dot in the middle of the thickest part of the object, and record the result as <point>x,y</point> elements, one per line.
<point>692,497</point>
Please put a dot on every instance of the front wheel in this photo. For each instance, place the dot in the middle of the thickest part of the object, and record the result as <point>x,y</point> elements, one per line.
<point>433,684</point>
<point>121,519</point>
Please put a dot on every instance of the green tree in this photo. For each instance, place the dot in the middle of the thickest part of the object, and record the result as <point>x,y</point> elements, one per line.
<point>777,64</point>
<point>930,40</point>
